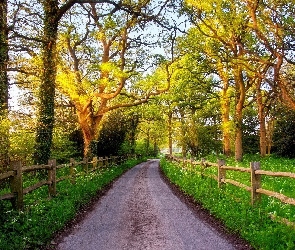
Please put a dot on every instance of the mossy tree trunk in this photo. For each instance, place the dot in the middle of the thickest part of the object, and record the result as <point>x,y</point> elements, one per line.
<point>47,87</point>
<point>4,128</point>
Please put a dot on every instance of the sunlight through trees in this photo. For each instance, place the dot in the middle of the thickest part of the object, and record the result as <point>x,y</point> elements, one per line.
<point>201,77</point>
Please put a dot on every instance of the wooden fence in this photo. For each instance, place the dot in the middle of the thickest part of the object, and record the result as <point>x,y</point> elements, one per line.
<point>255,176</point>
<point>15,176</point>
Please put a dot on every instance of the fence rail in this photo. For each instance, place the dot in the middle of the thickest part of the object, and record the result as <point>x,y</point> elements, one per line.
<point>15,176</point>
<point>254,170</point>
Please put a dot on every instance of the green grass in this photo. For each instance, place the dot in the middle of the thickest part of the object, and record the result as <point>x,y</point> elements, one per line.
<point>232,204</point>
<point>35,226</point>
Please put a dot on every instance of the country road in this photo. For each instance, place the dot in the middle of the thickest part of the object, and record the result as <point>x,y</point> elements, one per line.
<point>141,212</point>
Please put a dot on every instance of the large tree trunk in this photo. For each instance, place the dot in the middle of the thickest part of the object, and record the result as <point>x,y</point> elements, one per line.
<point>4,128</point>
<point>89,125</point>
<point>225,110</point>
<point>269,134</point>
<point>240,100</point>
<point>47,87</point>
<point>238,135</point>
<point>261,116</point>
<point>3,58</point>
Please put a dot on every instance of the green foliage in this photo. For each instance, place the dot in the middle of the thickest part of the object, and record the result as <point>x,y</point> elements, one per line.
<point>117,134</point>
<point>76,137</point>
<point>35,226</point>
<point>62,148</point>
<point>284,134</point>
<point>232,206</point>
<point>144,148</point>
<point>250,132</point>
<point>22,145</point>
<point>4,143</point>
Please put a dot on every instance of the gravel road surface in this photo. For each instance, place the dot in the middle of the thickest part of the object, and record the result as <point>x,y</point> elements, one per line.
<point>141,212</point>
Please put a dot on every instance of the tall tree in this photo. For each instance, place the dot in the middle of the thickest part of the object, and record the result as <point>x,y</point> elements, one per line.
<point>273,25</point>
<point>3,85</point>
<point>47,86</point>
<point>224,25</point>
<point>53,12</point>
<point>3,57</point>
<point>107,76</point>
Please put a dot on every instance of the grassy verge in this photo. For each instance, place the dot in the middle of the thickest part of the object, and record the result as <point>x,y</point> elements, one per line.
<point>232,205</point>
<point>42,217</point>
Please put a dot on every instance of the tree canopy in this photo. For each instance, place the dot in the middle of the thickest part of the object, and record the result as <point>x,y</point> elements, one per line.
<point>196,76</point>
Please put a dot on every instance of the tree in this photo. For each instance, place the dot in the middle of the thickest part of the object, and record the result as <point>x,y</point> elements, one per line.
<point>47,86</point>
<point>53,11</point>
<point>38,41</point>
<point>3,58</point>
<point>151,127</point>
<point>272,23</point>
<point>109,77</point>
<point>4,129</point>
<point>226,31</point>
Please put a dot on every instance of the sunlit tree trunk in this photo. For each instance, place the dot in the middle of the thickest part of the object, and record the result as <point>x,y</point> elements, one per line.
<point>183,135</point>
<point>225,110</point>
<point>4,128</point>
<point>89,124</point>
<point>47,87</point>
<point>170,132</point>
<point>269,134</point>
<point>261,116</point>
<point>240,100</point>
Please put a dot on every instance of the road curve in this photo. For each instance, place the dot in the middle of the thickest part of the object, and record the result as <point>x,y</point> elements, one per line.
<point>141,212</point>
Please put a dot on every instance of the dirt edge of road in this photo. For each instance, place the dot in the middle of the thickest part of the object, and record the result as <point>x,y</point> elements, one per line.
<point>81,214</point>
<point>205,215</point>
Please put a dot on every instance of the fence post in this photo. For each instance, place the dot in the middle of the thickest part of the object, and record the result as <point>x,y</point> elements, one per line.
<point>183,162</point>
<point>255,182</point>
<point>113,162</point>
<point>100,162</point>
<point>72,171</point>
<point>17,186</point>
<point>85,160</point>
<point>94,163</point>
<point>107,161</point>
<point>203,165</point>
<point>221,173</point>
<point>52,178</point>
<point>191,164</point>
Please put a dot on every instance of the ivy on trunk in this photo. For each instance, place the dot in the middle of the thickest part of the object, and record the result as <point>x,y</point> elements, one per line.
<point>4,129</point>
<point>47,87</point>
